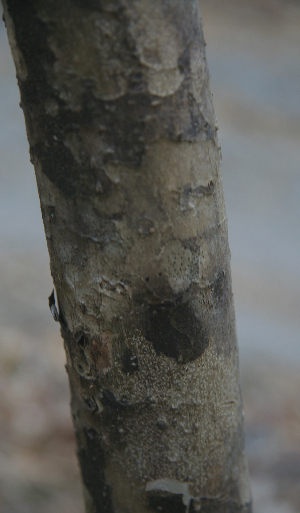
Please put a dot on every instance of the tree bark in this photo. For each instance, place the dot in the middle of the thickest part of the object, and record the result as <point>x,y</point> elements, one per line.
<point>123,139</point>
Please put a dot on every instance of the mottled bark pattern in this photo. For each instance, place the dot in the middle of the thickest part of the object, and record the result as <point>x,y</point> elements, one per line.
<point>123,138</point>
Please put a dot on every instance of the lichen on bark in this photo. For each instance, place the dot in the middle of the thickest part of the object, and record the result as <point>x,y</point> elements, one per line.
<point>123,139</point>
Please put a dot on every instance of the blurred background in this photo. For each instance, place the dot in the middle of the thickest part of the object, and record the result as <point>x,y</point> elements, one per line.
<point>253,51</point>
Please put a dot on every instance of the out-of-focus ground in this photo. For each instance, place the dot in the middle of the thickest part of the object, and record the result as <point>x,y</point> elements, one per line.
<point>253,50</point>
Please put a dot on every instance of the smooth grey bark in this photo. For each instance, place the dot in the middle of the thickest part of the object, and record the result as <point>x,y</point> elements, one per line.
<point>123,139</point>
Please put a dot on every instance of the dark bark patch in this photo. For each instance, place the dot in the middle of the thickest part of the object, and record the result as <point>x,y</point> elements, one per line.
<point>90,403</point>
<point>81,339</point>
<point>176,332</point>
<point>164,502</point>
<point>109,399</point>
<point>92,462</point>
<point>58,164</point>
<point>45,133</point>
<point>220,288</point>
<point>130,362</point>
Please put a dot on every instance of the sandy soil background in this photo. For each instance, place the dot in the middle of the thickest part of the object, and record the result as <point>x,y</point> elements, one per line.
<point>253,50</point>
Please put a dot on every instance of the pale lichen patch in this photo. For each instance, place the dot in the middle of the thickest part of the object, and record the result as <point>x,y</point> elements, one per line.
<point>157,41</point>
<point>164,83</point>
<point>177,263</point>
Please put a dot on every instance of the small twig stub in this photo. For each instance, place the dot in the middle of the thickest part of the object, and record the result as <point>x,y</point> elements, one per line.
<point>52,306</point>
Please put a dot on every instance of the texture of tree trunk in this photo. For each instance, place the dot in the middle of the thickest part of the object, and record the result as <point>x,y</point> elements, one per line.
<point>123,139</point>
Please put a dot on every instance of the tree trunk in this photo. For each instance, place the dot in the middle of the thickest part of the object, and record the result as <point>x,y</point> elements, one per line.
<point>123,139</point>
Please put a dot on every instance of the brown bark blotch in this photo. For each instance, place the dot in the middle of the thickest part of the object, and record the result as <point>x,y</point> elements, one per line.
<point>101,352</point>
<point>90,358</point>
